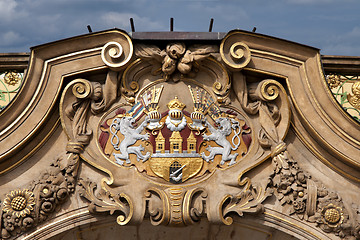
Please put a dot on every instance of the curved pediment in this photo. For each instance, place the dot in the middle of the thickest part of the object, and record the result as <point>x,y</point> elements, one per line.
<point>35,104</point>
<point>176,127</point>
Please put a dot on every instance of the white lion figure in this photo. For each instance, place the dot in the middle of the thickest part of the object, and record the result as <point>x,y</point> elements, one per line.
<point>125,126</point>
<point>219,136</point>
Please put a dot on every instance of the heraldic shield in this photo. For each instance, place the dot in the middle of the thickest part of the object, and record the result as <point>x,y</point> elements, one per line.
<point>175,144</point>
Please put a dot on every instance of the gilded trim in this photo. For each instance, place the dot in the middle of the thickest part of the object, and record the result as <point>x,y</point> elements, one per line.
<point>40,85</point>
<point>26,73</point>
<point>35,149</point>
<point>319,156</point>
<point>292,224</point>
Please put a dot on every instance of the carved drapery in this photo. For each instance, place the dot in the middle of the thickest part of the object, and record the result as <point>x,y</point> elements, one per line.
<point>250,117</point>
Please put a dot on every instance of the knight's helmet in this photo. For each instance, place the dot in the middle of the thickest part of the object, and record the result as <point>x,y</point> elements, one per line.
<point>176,106</point>
<point>150,100</point>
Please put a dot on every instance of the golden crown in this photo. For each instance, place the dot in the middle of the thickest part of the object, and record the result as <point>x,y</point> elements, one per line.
<point>175,104</point>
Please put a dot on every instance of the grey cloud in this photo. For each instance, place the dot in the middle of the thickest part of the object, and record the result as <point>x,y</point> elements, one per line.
<point>9,38</point>
<point>121,20</point>
<point>326,24</point>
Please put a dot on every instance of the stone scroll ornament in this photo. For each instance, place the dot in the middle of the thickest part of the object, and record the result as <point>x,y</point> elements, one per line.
<point>300,195</point>
<point>23,209</point>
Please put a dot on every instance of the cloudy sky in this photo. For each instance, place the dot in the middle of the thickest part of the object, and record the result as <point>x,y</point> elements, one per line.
<point>331,25</point>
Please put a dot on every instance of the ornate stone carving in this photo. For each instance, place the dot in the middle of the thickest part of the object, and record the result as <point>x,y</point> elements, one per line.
<point>292,186</point>
<point>19,203</point>
<point>164,145</point>
<point>308,199</point>
<point>236,55</point>
<point>175,206</point>
<point>131,136</point>
<point>53,187</point>
<point>225,125</point>
<point>175,146</point>
<point>24,209</point>
<point>116,55</point>
<point>172,149</point>
<point>105,201</point>
<point>176,56</point>
<point>249,200</point>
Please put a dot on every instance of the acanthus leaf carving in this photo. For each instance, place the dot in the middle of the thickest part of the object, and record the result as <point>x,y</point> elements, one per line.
<point>292,187</point>
<point>309,199</point>
<point>249,200</point>
<point>106,201</point>
<point>56,184</point>
<point>90,96</point>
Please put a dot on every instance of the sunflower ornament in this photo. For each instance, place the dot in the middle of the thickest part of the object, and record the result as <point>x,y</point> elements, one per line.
<point>19,202</point>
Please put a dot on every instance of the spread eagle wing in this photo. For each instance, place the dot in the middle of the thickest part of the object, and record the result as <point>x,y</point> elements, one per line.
<point>194,54</point>
<point>152,54</point>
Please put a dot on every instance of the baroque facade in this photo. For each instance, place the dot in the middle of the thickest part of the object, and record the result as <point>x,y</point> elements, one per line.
<point>196,135</point>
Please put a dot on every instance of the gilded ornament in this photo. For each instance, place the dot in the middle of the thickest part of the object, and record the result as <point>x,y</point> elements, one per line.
<point>169,145</point>
<point>270,90</point>
<point>19,202</point>
<point>333,80</point>
<point>81,88</point>
<point>175,104</point>
<point>45,190</point>
<point>117,54</point>
<point>134,86</point>
<point>332,215</point>
<point>354,98</point>
<point>12,78</point>
<point>235,54</point>
<point>237,50</point>
<point>107,201</point>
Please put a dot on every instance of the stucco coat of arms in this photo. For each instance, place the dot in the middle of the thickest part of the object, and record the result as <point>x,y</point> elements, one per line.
<point>180,131</point>
<point>174,129</point>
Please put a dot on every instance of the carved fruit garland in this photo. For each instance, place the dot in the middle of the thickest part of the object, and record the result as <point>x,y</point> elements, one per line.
<point>294,188</point>
<point>24,209</point>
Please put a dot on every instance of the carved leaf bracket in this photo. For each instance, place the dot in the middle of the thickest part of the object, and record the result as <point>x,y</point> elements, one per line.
<point>249,200</point>
<point>106,201</point>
